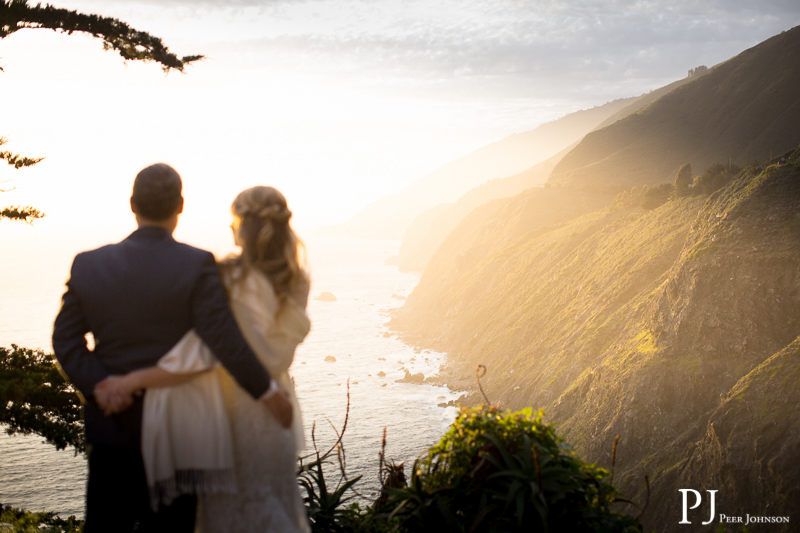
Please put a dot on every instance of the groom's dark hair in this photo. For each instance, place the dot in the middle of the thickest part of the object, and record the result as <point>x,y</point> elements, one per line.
<point>157,192</point>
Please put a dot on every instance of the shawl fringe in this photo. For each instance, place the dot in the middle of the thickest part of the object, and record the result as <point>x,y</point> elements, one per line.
<point>192,481</point>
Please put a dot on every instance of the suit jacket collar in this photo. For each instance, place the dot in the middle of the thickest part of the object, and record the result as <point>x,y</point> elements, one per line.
<point>151,233</point>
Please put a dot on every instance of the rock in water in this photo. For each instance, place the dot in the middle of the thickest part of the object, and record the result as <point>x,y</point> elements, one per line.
<point>326,297</point>
<point>411,378</point>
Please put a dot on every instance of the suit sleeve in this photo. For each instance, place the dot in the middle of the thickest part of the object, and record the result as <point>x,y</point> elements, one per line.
<point>80,365</point>
<point>213,321</point>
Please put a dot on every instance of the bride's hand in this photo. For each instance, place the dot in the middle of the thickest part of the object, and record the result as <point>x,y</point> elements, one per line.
<point>280,406</point>
<point>114,394</point>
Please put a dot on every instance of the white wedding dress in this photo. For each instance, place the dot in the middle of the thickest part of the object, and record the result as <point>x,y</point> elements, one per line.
<point>265,454</point>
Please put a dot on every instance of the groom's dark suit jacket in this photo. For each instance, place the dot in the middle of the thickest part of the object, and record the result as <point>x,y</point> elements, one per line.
<point>138,298</point>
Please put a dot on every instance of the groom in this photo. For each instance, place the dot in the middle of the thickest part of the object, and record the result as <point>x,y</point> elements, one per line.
<point>138,298</point>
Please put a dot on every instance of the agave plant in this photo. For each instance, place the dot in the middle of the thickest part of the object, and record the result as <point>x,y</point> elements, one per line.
<point>327,510</point>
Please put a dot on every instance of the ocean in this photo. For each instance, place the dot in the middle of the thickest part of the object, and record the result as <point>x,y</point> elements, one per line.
<point>351,329</point>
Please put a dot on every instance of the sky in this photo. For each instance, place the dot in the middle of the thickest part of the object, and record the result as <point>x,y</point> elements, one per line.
<point>334,102</point>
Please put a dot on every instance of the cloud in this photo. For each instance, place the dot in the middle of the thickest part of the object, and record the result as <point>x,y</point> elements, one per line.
<point>509,44</point>
<point>514,47</point>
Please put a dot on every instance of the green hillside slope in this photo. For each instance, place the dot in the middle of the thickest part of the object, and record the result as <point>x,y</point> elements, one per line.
<point>645,100</point>
<point>741,110</point>
<point>675,328</point>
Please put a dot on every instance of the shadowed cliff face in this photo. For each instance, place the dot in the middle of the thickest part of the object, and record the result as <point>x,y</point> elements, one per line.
<point>673,328</point>
<point>751,442</point>
<point>730,303</point>
<point>748,451</point>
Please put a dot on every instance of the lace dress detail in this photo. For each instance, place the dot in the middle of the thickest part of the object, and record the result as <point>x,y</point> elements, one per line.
<point>265,454</point>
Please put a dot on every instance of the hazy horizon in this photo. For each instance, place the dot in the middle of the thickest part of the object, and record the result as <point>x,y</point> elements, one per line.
<point>335,103</point>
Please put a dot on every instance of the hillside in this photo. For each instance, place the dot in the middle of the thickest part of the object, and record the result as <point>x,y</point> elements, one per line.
<point>676,328</point>
<point>429,229</point>
<point>741,110</point>
<point>496,225</point>
<point>390,216</point>
<point>645,100</point>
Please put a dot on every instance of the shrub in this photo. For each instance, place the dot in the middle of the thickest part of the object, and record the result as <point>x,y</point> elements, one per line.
<point>503,472</point>
<point>683,180</point>
<point>714,178</point>
<point>656,196</point>
<point>21,521</point>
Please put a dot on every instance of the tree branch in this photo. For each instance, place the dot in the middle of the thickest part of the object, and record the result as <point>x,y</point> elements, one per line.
<point>117,35</point>
<point>26,214</point>
<point>17,160</point>
<point>35,399</point>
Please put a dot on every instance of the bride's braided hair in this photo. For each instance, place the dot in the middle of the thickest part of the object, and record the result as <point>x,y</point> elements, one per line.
<point>268,241</point>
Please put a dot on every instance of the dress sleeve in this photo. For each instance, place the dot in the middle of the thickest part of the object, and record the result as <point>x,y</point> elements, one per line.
<point>189,355</point>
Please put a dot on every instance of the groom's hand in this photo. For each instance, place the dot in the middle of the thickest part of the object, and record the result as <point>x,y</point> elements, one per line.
<point>279,405</point>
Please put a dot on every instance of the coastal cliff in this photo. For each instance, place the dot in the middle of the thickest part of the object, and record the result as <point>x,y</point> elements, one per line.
<point>622,305</point>
<point>661,326</point>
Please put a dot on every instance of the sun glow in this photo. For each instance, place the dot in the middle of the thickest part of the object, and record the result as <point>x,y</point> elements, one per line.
<point>329,148</point>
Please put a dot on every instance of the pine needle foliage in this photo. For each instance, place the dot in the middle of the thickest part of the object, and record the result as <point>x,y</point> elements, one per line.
<point>130,43</point>
<point>26,214</point>
<point>16,160</point>
<point>35,399</point>
<point>22,521</point>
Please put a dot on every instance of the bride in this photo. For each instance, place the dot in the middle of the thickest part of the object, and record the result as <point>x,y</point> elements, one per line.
<point>268,291</point>
<point>202,433</point>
